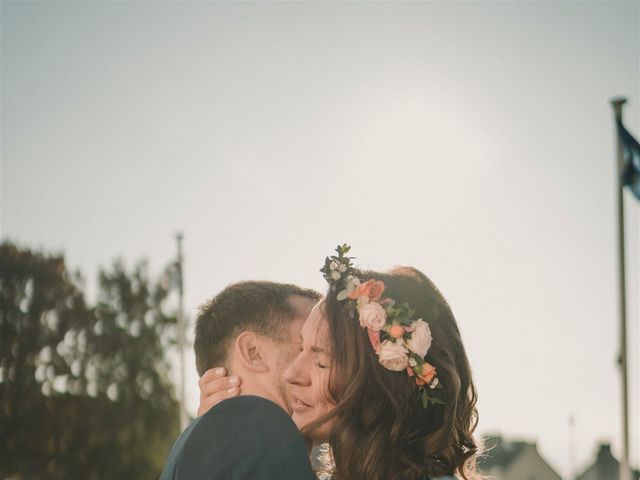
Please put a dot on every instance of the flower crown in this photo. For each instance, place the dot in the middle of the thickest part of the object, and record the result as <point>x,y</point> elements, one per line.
<point>399,339</point>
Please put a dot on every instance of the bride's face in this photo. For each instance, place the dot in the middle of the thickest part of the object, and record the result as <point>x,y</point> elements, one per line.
<point>308,375</point>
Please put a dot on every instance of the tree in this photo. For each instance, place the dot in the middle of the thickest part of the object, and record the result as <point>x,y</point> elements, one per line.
<point>85,391</point>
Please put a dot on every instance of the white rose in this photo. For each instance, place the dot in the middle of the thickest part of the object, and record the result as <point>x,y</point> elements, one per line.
<point>335,275</point>
<point>393,356</point>
<point>333,265</point>
<point>420,340</point>
<point>343,267</point>
<point>372,316</point>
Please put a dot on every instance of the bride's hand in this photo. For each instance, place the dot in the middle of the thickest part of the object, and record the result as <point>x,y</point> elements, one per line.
<point>216,386</point>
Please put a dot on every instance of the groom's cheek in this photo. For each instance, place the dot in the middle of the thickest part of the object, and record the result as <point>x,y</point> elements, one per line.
<point>289,353</point>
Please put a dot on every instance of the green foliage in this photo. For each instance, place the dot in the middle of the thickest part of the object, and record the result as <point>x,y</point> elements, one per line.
<point>427,398</point>
<point>401,314</point>
<point>84,391</point>
<point>332,273</point>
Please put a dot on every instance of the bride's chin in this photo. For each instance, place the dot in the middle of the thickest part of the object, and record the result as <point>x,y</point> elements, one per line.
<point>299,420</point>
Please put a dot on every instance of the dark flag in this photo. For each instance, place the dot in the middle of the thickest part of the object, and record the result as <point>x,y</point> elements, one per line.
<point>630,174</point>
<point>171,279</point>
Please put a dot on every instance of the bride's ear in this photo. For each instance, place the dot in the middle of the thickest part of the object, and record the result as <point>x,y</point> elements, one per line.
<point>248,352</point>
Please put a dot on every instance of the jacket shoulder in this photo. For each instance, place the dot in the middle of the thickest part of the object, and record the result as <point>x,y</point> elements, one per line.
<point>244,437</point>
<point>244,409</point>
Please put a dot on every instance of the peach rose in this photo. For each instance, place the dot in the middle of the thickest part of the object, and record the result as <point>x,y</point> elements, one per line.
<point>396,331</point>
<point>372,289</point>
<point>373,316</point>
<point>428,372</point>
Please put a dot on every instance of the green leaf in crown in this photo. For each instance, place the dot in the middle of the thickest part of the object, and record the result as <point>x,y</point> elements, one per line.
<point>337,268</point>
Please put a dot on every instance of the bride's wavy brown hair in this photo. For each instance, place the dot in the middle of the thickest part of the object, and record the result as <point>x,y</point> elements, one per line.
<point>379,429</point>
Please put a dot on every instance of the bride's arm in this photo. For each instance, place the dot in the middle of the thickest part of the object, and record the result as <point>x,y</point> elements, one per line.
<point>215,386</point>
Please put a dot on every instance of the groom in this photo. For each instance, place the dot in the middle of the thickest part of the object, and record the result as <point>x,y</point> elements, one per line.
<point>252,328</point>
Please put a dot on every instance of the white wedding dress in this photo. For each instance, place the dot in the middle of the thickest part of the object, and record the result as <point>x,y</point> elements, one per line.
<point>322,461</point>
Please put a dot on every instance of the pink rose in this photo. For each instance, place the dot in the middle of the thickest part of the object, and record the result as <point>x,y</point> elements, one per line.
<point>372,316</point>
<point>393,356</point>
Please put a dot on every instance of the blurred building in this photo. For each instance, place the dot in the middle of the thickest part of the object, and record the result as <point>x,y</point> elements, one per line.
<point>605,467</point>
<point>519,460</point>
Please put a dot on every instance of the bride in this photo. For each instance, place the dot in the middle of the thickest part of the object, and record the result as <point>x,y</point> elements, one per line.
<point>382,377</point>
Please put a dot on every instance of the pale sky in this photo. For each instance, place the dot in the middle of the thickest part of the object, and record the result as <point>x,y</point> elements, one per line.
<point>472,140</point>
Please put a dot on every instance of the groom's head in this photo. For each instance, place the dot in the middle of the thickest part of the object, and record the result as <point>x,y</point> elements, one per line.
<point>253,329</point>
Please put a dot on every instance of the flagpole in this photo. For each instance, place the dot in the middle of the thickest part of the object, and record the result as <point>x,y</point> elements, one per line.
<point>625,472</point>
<point>181,330</point>
<point>572,444</point>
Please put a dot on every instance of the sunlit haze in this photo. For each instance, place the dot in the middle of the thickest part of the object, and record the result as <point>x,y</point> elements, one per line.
<point>473,141</point>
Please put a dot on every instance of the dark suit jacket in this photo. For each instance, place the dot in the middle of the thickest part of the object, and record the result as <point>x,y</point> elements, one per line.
<point>242,438</point>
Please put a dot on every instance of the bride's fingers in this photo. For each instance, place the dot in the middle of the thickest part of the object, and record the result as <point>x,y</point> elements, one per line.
<point>210,375</point>
<point>219,385</point>
<point>211,400</point>
<point>215,386</point>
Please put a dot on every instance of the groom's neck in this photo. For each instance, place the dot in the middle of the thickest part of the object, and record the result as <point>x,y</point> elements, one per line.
<point>256,384</point>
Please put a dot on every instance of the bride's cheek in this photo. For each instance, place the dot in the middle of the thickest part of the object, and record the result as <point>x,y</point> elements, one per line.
<point>324,390</point>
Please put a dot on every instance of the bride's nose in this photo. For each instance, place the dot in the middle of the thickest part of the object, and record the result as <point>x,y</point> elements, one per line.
<point>296,373</point>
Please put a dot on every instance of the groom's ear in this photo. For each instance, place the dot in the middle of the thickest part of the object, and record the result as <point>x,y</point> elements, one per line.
<point>248,352</point>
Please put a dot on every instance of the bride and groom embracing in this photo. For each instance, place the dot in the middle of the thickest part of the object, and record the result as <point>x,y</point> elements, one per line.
<point>376,368</point>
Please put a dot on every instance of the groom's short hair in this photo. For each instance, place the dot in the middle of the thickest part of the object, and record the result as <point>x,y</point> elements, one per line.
<point>262,307</point>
